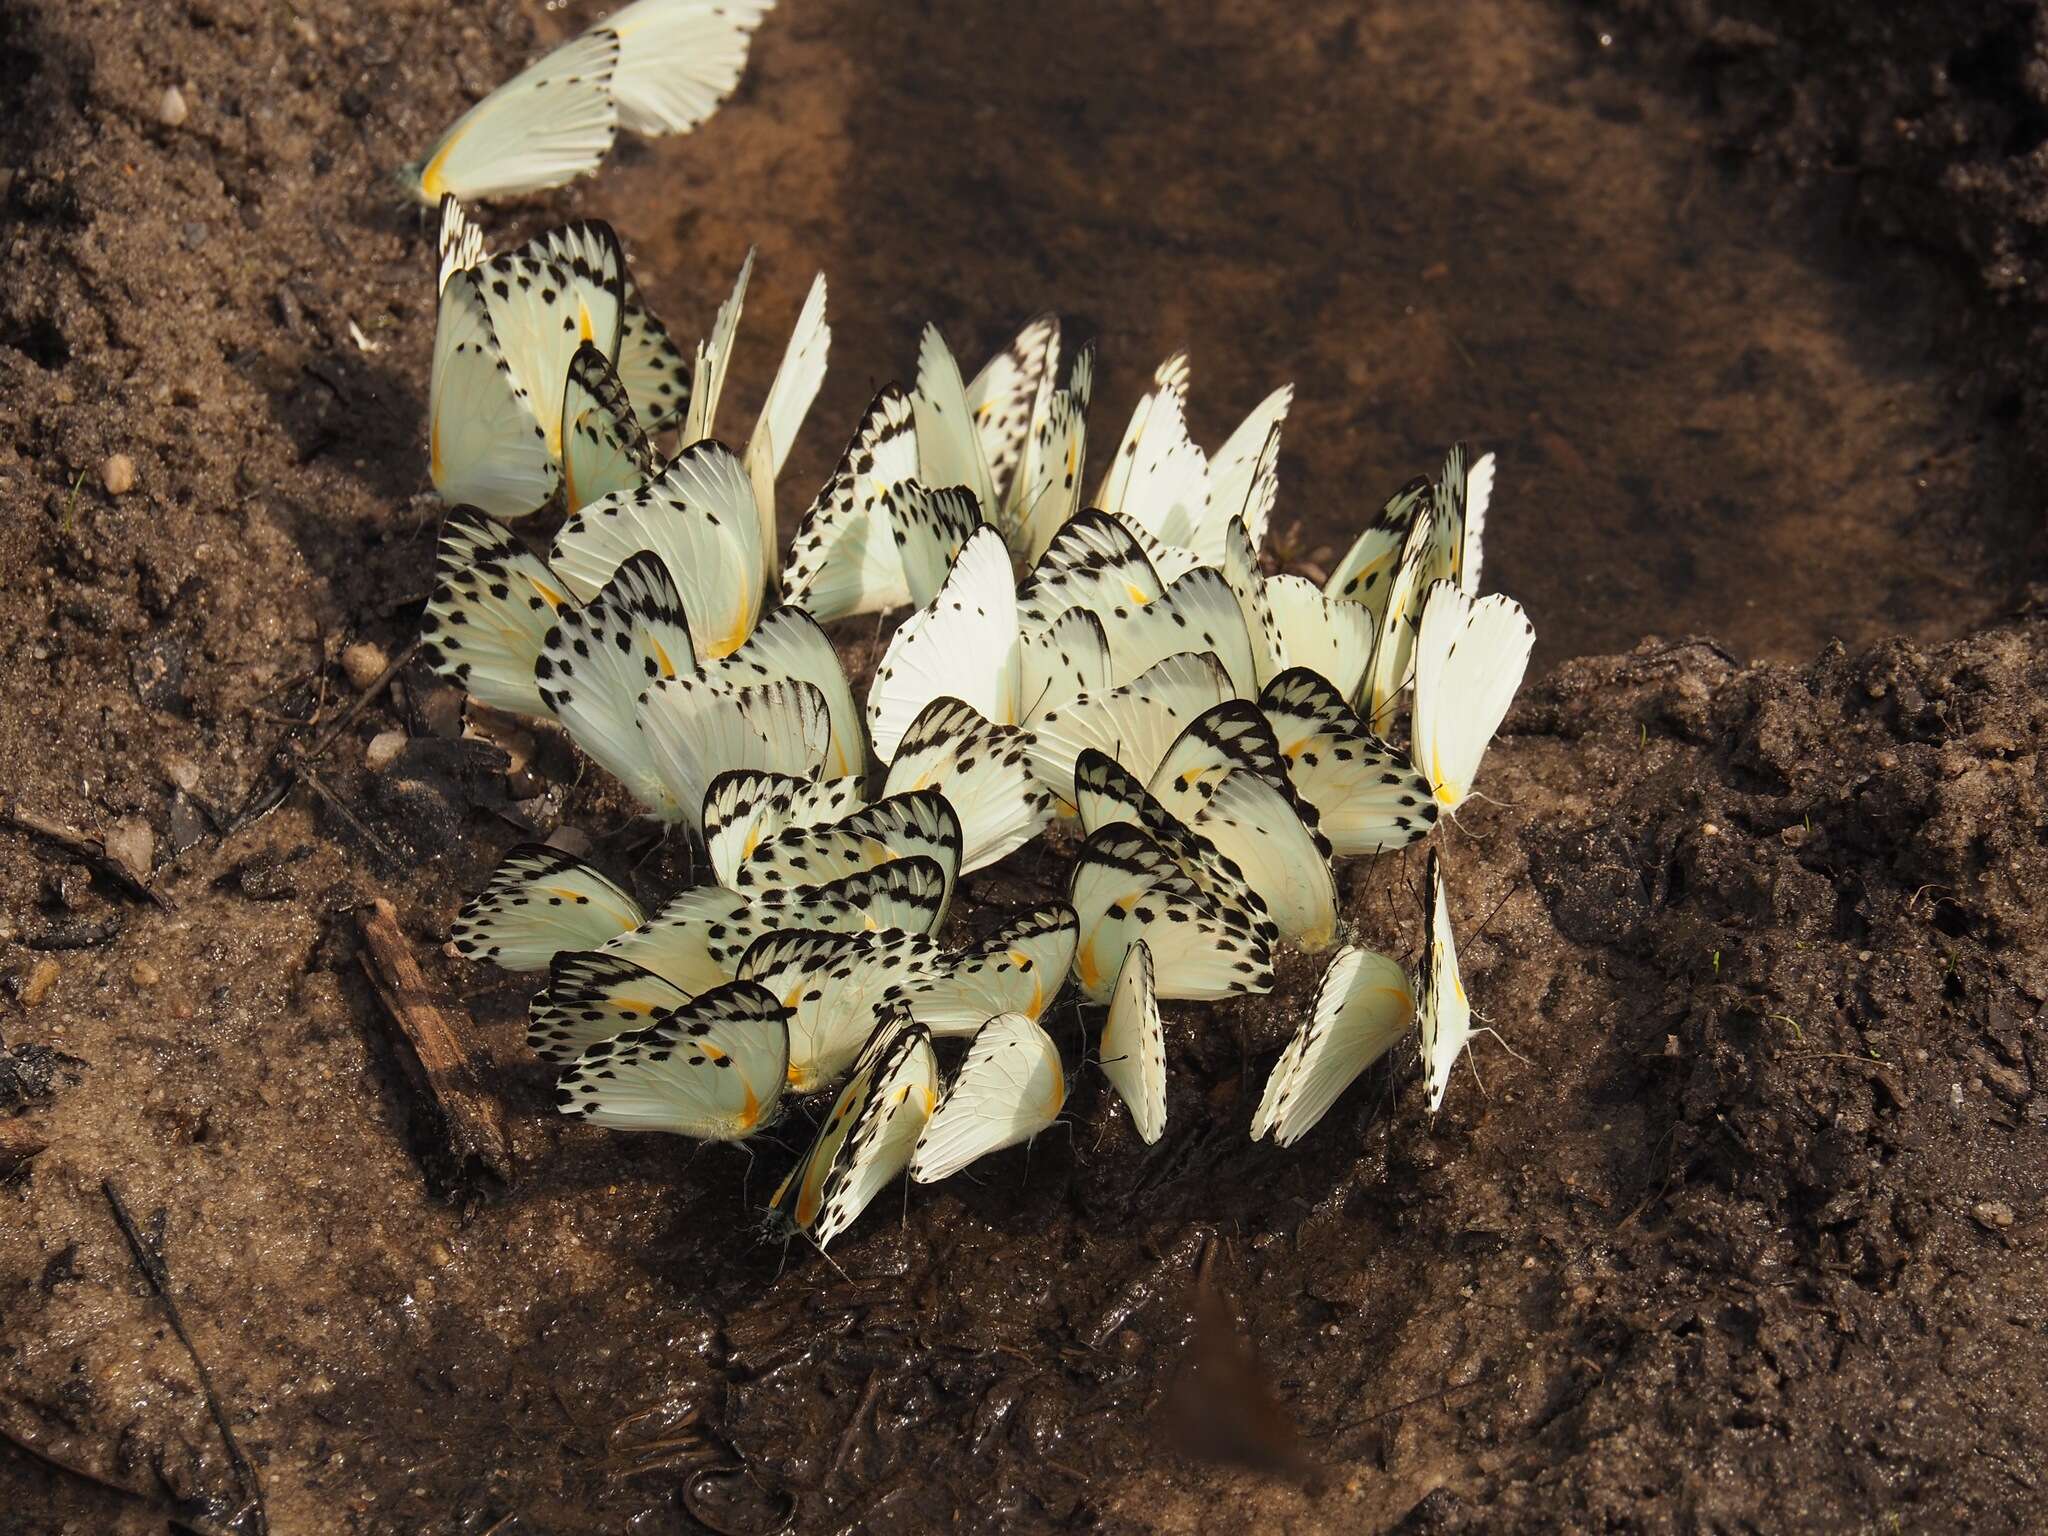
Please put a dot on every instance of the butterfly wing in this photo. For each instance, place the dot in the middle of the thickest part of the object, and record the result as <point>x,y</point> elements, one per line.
<point>832,983</point>
<point>1126,887</point>
<point>697,729</point>
<point>1092,561</point>
<point>797,381</point>
<point>1332,637</point>
<point>552,122</point>
<point>742,809</point>
<point>1366,796</point>
<point>539,902</point>
<point>962,645</point>
<point>1443,1012</point>
<point>1258,828</point>
<point>1134,1044</point>
<point>1244,479</point>
<point>598,660</point>
<point>603,448</point>
<point>1010,1086</point>
<point>789,646</point>
<point>1198,612</point>
<point>486,447</point>
<point>1134,724</point>
<point>462,242</point>
<point>923,822</point>
<point>949,448</point>
<point>843,560</point>
<point>651,366</point>
<point>591,996</point>
<point>1019,969</point>
<point>714,358</point>
<point>1363,1006</point>
<point>866,1141</point>
<point>1013,392</point>
<point>1366,573</point>
<point>489,616</point>
<point>983,769</point>
<point>698,516</point>
<point>678,59</point>
<point>547,299</point>
<point>713,1068</point>
<point>930,528</point>
<point>1469,659</point>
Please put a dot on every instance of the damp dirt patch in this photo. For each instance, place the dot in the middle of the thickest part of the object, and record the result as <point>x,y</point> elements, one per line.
<point>1745,1234</point>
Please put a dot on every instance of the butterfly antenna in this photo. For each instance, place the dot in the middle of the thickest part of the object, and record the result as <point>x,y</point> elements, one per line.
<point>842,1274</point>
<point>1481,930</point>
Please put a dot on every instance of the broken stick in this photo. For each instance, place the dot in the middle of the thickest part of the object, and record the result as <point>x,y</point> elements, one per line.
<point>434,1032</point>
<point>19,1143</point>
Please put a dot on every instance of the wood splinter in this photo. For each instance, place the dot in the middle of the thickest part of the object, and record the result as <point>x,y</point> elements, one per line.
<point>19,1143</point>
<point>434,1032</point>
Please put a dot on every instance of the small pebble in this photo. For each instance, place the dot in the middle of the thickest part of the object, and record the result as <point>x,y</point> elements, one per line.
<point>132,845</point>
<point>172,111</point>
<point>383,750</point>
<point>143,974</point>
<point>182,772</point>
<point>41,977</point>
<point>364,663</point>
<point>1993,1213</point>
<point>117,474</point>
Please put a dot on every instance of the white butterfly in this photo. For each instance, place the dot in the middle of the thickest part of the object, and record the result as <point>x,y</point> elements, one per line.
<point>1046,488</point>
<point>833,983</point>
<point>488,618</point>
<point>650,367</point>
<point>712,1068</point>
<point>949,444</point>
<point>967,644</point>
<point>603,447</point>
<point>552,122</point>
<point>1010,1086</point>
<point>844,559</point>
<point>1393,652</point>
<point>1246,848</point>
<point>1366,572</point>
<point>1363,1007</point>
<point>983,769</point>
<point>1367,798</point>
<point>1290,624</point>
<point>796,384</point>
<point>1134,724</point>
<point>1165,484</point>
<point>692,730</point>
<point>867,1139</point>
<point>538,902</point>
<point>698,515</point>
<point>1008,402</point>
<point>507,332</point>
<point>655,67</point>
<point>699,939</point>
<point>1018,969</point>
<point>921,822</point>
<point>678,59</point>
<point>1126,886</point>
<point>744,809</point>
<point>600,658</point>
<point>1134,1046</point>
<point>1092,561</point>
<point>1462,497</point>
<point>486,447</point>
<point>1443,1012</point>
<point>1469,659</point>
<point>595,995</point>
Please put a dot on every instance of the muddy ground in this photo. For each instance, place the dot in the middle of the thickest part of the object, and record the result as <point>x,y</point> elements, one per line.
<point>1743,1233</point>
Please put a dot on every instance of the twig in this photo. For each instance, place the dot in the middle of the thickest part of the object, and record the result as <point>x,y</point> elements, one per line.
<point>314,783</point>
<point>90,849</point>
<point>288,759</point>
<point>158,1274</point>
<point>434,1031</point>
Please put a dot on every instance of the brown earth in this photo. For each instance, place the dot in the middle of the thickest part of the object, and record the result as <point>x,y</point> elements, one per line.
<point>1746,1235</point>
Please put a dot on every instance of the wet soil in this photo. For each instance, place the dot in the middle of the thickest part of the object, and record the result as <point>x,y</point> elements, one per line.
<point>1745,1234</point>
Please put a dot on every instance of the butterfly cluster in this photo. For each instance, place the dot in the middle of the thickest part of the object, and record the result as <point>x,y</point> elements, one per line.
<point>1114,670</point>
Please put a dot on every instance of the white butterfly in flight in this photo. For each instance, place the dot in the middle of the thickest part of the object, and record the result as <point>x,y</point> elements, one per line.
<point>656,67</point>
